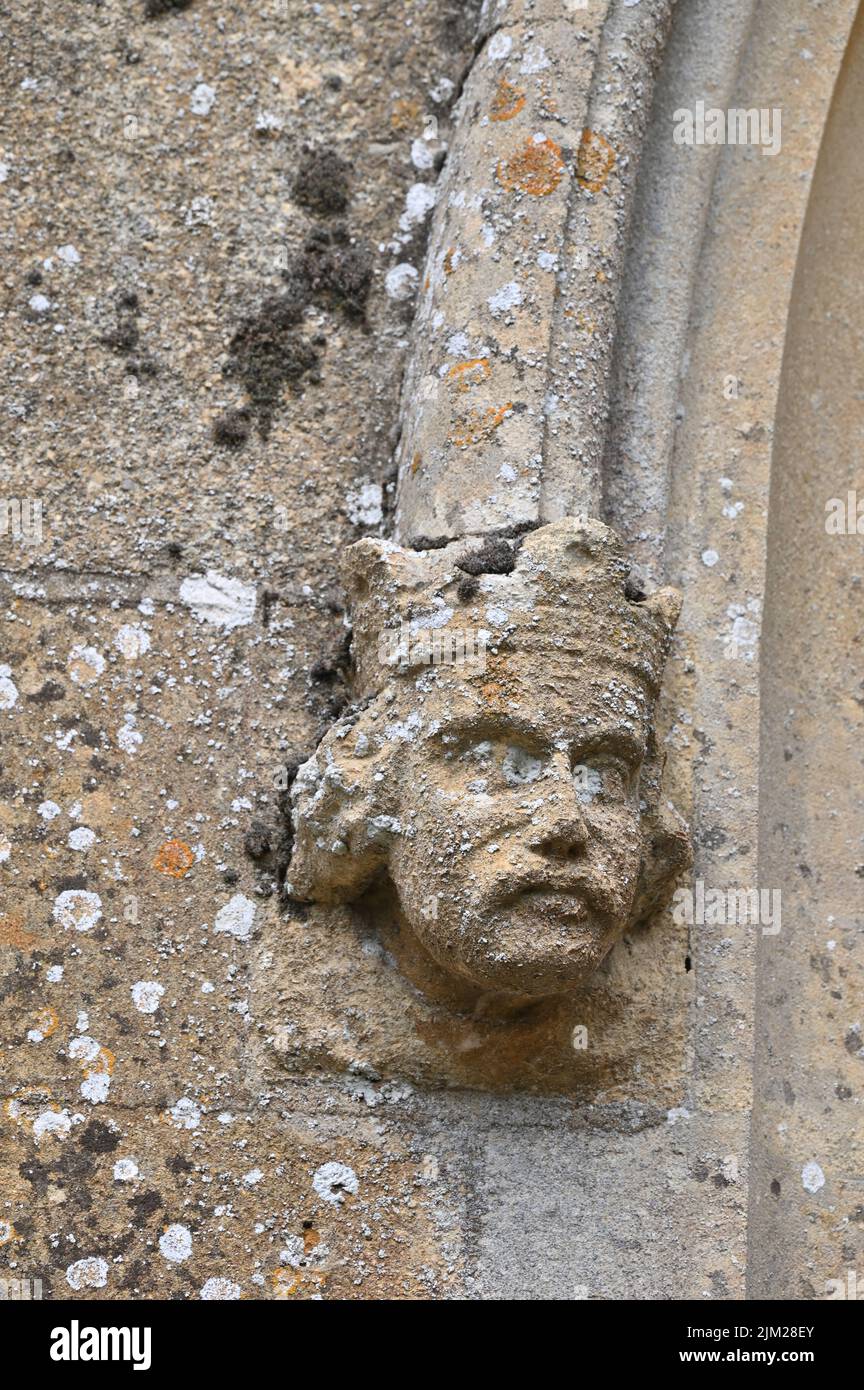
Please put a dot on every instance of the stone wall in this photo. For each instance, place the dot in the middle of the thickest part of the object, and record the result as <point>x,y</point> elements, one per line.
<point>216,236</point>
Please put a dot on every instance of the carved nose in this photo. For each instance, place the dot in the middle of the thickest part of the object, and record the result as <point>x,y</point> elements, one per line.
<point>561,836</point>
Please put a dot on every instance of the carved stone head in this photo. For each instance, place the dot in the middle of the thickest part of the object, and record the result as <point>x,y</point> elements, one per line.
<point>500,770</point>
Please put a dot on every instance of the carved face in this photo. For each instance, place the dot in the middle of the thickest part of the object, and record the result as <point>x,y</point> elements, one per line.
<point>515,803</point>
<point>522,861</point>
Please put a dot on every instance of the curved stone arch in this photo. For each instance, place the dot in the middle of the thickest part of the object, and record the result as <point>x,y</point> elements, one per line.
<point>699,365</point>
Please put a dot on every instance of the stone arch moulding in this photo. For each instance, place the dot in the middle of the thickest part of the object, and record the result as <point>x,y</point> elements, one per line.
<point>704,301</point>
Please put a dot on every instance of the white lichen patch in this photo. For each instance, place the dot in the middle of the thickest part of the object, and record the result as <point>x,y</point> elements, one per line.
<point>535,60</point>
<point>520,767</point>
<point>498,46</point>
<point>203,99</point>
<point>128,736</point>
<point>186,1114</point>
<point>76,909</point>
<point>51,1122</point>
<point>132,641</point>
<point>8,689</point>
<point>125,1170</point>
<point>332,1180</point>
<point>81,838</point>
<point>508,297</point>
<point>588,783</point>
<point>85,664</point>
<point>219,1289</point>
<point>237,917</point>
<point>146,995</point>
<point>215,599</point>
<point>400,282</point>
<point>365,504</point>
<point>419,202</point>
<point>90,1273</point>
<point>175,1243</point>
<point>812,1177</point>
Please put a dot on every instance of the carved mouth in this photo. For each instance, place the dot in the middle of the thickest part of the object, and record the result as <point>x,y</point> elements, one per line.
<point>563,896</point>
<point>568,906</point>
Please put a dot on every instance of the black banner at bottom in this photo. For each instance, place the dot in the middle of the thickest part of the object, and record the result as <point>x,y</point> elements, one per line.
<point>64,1338</point>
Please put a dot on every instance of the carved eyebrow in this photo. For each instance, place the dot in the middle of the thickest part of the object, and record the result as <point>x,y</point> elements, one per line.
<point>618,740</point>
<point>493,727</point>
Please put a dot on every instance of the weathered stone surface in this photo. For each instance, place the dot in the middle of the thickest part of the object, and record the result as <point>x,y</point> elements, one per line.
<point>176,278</point>
<point>505,397</point>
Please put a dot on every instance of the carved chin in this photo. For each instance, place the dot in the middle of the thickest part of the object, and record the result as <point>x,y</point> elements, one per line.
<point>544,944</point>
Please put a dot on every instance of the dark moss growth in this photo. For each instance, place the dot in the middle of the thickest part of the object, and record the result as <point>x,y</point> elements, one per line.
<point>467,589</point>
<point>154,8</point>
<point>335,667</point>
<point>178,1164</point>
<point>634,590</point>
<point>267,354</point>
<point>142,366</point>
<point>122,339</point>
<point>322,183</point>
<point>256,841</point>
<point>51,690</point>
<point>98,1138</point>
<point>125,337</point>
<point>493,557</point>
<point>336,270</point>
<point>144,1205</point>
<point>231,430</point>
<point>34,277</point>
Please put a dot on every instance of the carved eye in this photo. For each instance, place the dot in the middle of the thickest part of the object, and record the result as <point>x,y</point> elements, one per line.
<point>520,767</point>
<point>602,779</point>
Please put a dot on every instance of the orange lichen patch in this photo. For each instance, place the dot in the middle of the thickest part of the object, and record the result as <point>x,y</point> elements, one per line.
<point>174,858</point>
<point>287,1282</point>
<point>404,114</point>
<point>464,375</point>
<point>594,161</point>
<point>45,1022</point>
<point>475,425</point>
<point>310,1240</point>
<point>416,462</point>
<point>14,933</point>
<point>102,1064</point>
<point>507,101</point>
<point>448,262</point>
<point>537,167</point>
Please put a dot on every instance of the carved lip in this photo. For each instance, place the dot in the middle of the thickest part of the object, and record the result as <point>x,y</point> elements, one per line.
<point>563,895</point>
<point>564,906</point>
